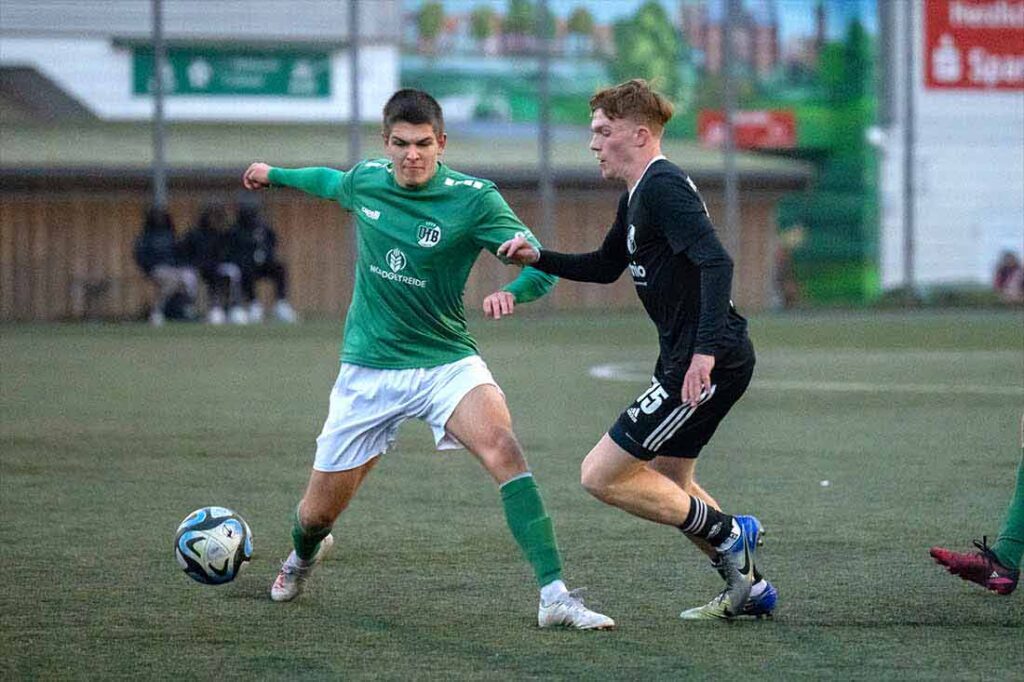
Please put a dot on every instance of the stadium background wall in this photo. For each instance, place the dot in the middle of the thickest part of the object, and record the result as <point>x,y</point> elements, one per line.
<point>66,242</point>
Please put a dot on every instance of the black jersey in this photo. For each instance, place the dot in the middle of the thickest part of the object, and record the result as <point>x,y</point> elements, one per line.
<point>682,273</point>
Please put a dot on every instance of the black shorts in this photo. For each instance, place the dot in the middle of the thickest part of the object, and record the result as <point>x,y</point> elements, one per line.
<point>659,424</point>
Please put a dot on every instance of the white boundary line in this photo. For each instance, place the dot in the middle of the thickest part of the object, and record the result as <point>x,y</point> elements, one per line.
<point>632,372</point>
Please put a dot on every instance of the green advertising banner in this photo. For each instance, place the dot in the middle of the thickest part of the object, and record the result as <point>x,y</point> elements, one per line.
<point>199,71</point>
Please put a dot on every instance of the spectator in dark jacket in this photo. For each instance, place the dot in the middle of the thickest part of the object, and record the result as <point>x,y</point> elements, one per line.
<point>1009,278</point>
<point>157,255</point>
<point>254,245</point>
<point>206,248</point>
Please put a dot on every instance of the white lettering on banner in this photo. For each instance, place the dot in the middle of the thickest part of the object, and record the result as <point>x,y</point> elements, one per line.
<point>998,14</point>
<point>993,69</point>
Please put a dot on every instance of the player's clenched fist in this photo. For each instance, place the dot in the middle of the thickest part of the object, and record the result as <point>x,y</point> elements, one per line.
<point>256,176</point>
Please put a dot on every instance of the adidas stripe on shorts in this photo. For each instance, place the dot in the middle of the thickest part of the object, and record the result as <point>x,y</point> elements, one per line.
<point>659,424</point>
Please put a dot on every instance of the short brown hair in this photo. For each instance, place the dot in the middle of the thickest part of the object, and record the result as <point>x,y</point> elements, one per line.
<point>635,100</point>
<point>415,107</point>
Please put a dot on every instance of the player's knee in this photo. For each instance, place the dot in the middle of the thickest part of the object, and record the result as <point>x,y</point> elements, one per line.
<point>503,445</point>
<point>593,482</point>
<point>500,454</point>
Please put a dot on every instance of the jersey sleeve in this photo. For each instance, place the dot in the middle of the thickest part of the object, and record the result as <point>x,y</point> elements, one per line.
<point>602,266</point>
<point>325,183</point>
<point>497,224</point>
<point>677,210</point>
<point>716,268</point>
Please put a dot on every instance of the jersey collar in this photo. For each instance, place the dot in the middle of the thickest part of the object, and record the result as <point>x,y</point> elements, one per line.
<point>650,163</point>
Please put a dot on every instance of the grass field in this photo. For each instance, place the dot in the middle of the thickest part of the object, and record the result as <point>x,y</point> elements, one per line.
<point>111,434</point>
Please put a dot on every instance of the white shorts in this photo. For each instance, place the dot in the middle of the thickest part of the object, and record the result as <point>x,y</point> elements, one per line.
<point>368,405</point>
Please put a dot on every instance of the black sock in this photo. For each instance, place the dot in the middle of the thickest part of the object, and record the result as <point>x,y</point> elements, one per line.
<point>707,523</point>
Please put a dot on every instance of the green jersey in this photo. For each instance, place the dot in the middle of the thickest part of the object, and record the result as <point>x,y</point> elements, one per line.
<point>416,247</point>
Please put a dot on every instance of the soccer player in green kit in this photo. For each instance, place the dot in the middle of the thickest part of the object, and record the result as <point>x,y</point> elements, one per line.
<point>406,351</point>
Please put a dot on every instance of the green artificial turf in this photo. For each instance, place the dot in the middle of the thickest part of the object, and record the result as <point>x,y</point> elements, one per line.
<point>111,434</point>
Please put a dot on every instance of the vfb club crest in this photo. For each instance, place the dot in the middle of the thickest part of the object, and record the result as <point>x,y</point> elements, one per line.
<point>428,235</point>
<point>396,260</point>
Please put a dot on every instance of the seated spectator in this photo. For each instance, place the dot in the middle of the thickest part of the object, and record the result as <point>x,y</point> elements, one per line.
<point>1009,278</point>
<point>205,248</point>
<point>157,255</point>
<point>254,245</point>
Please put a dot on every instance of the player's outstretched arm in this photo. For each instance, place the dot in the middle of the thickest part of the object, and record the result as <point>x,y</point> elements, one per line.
<point>320,182</point>
<point>256,176</point>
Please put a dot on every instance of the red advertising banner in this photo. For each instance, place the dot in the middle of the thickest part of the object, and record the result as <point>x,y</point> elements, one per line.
<point>772,129</point>
<point>974,44</point>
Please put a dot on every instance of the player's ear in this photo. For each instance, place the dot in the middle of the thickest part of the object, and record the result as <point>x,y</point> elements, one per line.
<point>442,140</point>
<point>643,136</point>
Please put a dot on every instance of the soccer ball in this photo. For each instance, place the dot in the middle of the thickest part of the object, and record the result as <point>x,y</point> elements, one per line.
<point>211,545</point>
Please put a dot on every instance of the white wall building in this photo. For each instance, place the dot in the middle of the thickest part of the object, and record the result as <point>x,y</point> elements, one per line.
<point>967,149</point>
<point>239,60</point>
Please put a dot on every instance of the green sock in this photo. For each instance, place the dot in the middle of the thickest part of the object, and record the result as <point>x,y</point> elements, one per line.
<point>1009,547</point>
<point>532,528</point>
<point>306,540</point>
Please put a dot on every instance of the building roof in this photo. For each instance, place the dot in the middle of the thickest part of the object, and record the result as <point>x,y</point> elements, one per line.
<point>33,148</point>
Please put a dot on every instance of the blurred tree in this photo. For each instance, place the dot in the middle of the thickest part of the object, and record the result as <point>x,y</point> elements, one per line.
<point>519,17</point>
<point>845,68</point>
<point>648,46</point>
<point>429,22</point>
<point>581,22</point>
<point>857,62</point>
<point>481,22</point>
<point>549,24</point>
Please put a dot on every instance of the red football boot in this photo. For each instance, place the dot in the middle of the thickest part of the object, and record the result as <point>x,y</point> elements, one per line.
<point>980,567</point>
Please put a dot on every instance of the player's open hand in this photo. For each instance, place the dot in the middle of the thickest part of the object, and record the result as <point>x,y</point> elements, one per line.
<point>256,176</point>
<point>518,250</point>
<point>499,303</point>
<point>698,378</point>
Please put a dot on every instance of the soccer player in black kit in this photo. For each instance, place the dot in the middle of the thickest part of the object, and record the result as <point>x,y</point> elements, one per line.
<point>645,463</point>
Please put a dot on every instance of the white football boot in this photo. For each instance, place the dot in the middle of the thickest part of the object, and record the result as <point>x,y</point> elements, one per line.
<point>289,581</point>
<point>284,312</point>
<point>238,315</point>
<point>567,609</point>
<point>256,312</point>
<point>216,316</point>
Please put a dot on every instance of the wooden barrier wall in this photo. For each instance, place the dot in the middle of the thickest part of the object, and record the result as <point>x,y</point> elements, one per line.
<point>67,255</point>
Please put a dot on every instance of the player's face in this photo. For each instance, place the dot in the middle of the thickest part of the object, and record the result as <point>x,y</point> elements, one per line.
<point>613,143</point>
<point>414,150</point>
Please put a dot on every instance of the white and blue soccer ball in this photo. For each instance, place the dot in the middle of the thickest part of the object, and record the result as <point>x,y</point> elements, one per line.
<point>212,544</point>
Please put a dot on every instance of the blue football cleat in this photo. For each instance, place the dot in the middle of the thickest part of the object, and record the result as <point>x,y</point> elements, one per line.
<point>752,523</point>
<point>744,551</point>
<point>763,604</point>
<point>736,566</point>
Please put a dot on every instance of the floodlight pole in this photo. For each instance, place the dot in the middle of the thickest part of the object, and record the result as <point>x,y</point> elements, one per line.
<point>159,57</point>
<point>909,48</point>
<point>731,180</point>
<point>354,134</point>
<point>544,172</point>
